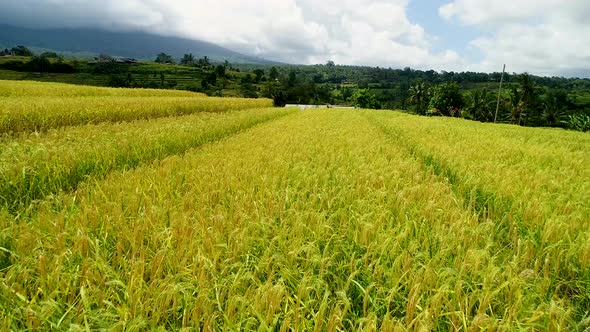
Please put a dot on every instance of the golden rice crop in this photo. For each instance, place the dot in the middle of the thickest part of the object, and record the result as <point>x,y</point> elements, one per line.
<point>326,220</point>
<point>43,113</point>
<point>43,89</point>
<point>36,165</point>
<point>533,183</point>
<point>538,175</point>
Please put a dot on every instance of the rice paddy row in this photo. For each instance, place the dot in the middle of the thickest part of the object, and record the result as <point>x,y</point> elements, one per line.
<point>37,114</point>
<point>534,184</point>
<point>40,89</point>
<point>34,166</point>
<point>324,219</point>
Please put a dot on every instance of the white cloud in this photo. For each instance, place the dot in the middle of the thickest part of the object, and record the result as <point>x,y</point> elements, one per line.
<point>483,12</point>
<point>546,37</point>
<point>368,32</point>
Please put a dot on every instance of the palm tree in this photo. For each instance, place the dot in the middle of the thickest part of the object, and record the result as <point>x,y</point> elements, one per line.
<point>482,106</point>
<point>188,59</point>
<point>523,99</point>
<point>527,89</point>
<point>528,98</point>
<point>517,106</point>
<point>419,94</point>
<point>553,112</point>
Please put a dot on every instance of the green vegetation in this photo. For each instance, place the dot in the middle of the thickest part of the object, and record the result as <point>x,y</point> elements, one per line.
<point>579,122</point>
<point>276,219</point>
<point>446,100</point>
<point>363,98</point>
<point>526,100</point>
<point>164,58</point>
<point>419,95</point>
<point>20,51</point>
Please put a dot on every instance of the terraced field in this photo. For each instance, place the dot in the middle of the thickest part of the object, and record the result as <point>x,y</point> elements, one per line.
<point>34,106</point>
<point>274,219</point>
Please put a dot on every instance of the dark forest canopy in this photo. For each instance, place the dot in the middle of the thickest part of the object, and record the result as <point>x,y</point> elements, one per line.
<point>342,74</point>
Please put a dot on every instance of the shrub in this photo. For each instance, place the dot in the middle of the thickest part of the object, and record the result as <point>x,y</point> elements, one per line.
<point>579,122</point>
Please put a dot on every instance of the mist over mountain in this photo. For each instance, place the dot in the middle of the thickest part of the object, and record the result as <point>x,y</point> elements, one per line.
<point>139,45</point>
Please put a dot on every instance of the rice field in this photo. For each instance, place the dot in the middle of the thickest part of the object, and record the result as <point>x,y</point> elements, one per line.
<point>36,107</point>
<point>35,166</point>
<point>276,219</point>
<point>40,89</point>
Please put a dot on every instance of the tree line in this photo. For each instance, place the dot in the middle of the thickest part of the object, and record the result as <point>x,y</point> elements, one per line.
<point>527,100</point>
<point>46,62</point>
<point>525,103</point>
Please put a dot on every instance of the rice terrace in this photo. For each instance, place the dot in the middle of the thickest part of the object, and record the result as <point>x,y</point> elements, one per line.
<point>130,209</point>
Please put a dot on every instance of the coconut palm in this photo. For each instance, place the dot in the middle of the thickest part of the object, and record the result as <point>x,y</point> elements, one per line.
<point>524,99</point>
<point>419,95</point>
<point>528,89</point>
<point>554,113</point>
<point>481,105</point>
<point>518,111</point>
<point>528,104</point>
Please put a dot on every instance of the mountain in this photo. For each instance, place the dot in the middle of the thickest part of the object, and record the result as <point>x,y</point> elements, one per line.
<point>139,45</point>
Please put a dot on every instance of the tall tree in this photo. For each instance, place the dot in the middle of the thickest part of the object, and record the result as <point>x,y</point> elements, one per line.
<point>364,98</point>
<point>524,100</point>
<point>187,59</point>
<point>50,55</point>
<point>518,110</point>
<point>164,58</point>
<point>481,105</point>
<point>447,99</point>
<point>259,75</point>
<point>40,64</point>
<point>279,99</point>
<point>419,94</point>
<point>554,111</point>
<point>220,70</point>
<point>21,51</point>
<point>292,79</point>
<point>274,74</point>
<point>204,62</point>
<point>527,89</point>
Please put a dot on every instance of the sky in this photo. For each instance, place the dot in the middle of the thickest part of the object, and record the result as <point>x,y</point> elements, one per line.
<point>542,37</point>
